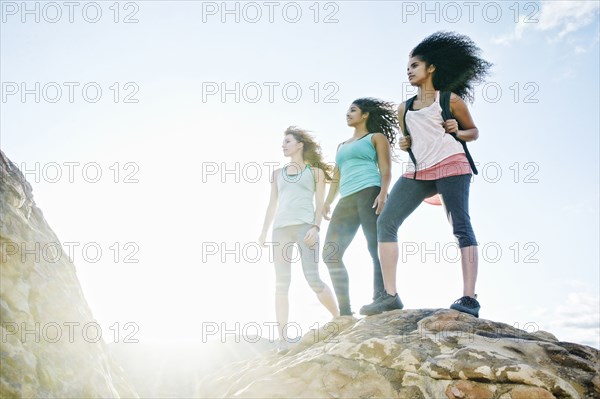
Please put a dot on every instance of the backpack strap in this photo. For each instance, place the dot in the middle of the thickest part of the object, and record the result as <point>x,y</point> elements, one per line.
<point>447,114</point>
<point>407,106</point>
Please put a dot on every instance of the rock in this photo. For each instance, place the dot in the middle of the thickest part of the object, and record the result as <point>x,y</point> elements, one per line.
<point>469,390</point>
<point>427,353</point>
<point>530,393</point>
<point>43,311</point>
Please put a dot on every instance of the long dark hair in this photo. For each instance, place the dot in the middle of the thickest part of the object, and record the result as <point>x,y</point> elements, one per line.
<point>311,152</point>
<point>458,66</point>
<point>382,117</point>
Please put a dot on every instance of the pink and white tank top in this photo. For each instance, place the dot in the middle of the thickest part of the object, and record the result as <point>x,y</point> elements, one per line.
<point>430,142</point>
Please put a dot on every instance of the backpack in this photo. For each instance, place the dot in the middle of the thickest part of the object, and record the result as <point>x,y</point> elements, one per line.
<point>446,114</point>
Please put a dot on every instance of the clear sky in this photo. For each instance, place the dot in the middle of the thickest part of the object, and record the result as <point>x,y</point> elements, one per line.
<point>148,130</point>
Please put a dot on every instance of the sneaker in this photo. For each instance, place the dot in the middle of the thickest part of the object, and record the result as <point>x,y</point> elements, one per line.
<point>467,304</point>
<point>384,303</point>
<point>346,311</point>
<point>366,308</point>
<point>282,346</point>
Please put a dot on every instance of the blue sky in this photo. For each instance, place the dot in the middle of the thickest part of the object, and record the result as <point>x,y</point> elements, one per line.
<point>534,206</point>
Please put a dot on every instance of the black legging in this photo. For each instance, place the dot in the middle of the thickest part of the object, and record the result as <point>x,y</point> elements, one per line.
<point>351,212</point>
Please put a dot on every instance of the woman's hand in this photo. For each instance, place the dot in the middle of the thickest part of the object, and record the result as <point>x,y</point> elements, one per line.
<point>405,143</point>
<point>326,210</point>
<point>451,126</point>
<point>379,202</point>
<point>312,235</point>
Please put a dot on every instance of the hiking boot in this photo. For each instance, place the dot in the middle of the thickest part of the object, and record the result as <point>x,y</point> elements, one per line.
<point>384,303</point>
<point>467,304</point>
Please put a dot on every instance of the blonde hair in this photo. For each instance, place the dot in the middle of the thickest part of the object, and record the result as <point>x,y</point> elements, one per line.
<point>312,150</point>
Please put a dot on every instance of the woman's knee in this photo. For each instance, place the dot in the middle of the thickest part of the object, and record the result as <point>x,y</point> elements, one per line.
<point>466,239</point>
<point>386,230</point>
<point>316,284</point>
<point>282,287</point>
<point>283,278</point>
<point>465,235</point>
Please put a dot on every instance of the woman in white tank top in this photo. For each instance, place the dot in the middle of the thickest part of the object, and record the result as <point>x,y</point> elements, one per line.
<point>297,222</point>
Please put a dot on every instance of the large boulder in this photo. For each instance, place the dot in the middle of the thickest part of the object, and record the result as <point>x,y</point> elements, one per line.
<point>50,345</point>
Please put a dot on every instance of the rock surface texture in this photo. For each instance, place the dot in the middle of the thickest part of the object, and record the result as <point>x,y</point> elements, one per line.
<point>49,345</point>
<point>424,353</point>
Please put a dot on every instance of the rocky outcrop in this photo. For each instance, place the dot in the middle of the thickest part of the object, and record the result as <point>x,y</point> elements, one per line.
<point>416,354</point>
<point>49,345</point>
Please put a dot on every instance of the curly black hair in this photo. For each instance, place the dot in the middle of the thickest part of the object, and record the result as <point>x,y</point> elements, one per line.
<point>458,66</point>
<point>382,117</point>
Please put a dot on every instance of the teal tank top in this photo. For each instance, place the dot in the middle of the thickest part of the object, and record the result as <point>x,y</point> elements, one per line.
<point>295,198</point>
<point>357,163</point>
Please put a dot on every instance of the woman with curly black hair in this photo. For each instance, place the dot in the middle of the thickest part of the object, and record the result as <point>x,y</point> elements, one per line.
<point>448,63</point>
<point>362,177</point>
<point>296,207</point>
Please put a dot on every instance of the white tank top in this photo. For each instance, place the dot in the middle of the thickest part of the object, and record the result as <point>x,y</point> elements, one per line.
<point>296,193</point>
<point>430,142</point>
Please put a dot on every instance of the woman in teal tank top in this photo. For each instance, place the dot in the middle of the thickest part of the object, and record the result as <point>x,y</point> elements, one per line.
<point>296,222</point>
<point>362,176</point>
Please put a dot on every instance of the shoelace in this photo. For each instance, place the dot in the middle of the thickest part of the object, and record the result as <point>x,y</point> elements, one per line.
<point>467,301</point>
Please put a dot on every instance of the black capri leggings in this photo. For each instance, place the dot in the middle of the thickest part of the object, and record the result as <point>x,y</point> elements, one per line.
<point>351,212</point>
<point>408,194</point>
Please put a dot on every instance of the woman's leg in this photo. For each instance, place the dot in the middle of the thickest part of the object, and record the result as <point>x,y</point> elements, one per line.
<point>283,276</point>
<point>455,194</point>
<point>368,221</point>
<point>327,298</point>
<point>470,264</point>
<point>310,266</point>
<point>405,197</point>
<point>342,229</point>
